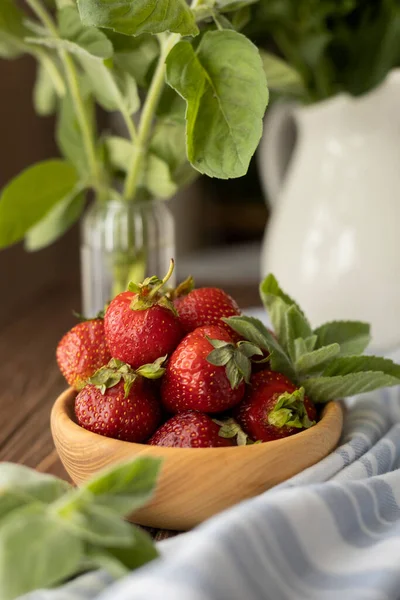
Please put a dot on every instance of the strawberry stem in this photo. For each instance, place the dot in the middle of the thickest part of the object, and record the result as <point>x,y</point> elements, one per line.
<point>157,287</point>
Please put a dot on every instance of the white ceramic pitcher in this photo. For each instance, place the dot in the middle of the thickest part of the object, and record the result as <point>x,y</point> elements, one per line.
<point>332,175</point>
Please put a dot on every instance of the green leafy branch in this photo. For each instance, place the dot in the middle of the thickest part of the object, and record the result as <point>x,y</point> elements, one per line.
<point>51,531</point>
<point>327,362</point>
<point>130,61</point>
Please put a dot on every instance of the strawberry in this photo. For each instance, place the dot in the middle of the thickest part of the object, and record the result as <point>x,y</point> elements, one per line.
<point>82,351</point>
<point>205,306</point>
<point>142,324</point>
<point>201,378</point>
<point>190,429</point>
<point>274,408</point>
<point>120,403</point>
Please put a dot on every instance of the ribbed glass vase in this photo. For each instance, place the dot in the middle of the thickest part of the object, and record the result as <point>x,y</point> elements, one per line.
<point>123,242</point>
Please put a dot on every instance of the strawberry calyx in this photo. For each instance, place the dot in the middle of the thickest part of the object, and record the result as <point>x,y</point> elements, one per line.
<point>82,319</point>
<point>148,293</point>
<point>290,411</point>
<point>116,371</point>
<point>236,358</point>
<point>183,289</point>
<point>231,429</point>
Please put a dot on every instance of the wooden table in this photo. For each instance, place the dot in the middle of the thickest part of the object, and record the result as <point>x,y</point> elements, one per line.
<point>30,379</point>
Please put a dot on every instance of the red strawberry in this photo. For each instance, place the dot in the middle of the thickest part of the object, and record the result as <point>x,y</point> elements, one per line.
<point>82,351</point>
<point>205,306</point>
<point>141,324</point>
<point>120,403</point>
<point>274,408</point>
<point>190,429</point>
<point>192,382</point>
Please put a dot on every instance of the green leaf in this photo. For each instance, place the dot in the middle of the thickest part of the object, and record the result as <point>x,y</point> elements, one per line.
<point>154,370</point>
<point>38,486</point>
<point>220,357</point>
<point>31,195</point>
<point>295,325</point>
<point>134,55</point>
<point>303,346</point>
<point>119,152</point>
<point>249,350</point>
<point>277,303</point>
<point>142,551</point>
<point>353,336</point>
<point>168,143</point>
<point>12,30</point>
<point>281,76</point>
<point>241,18</point>
<point>158,178</point>
<point>44,93</point>
<point>126,486</point>
<point>133,17</point>
<point>99,525</point>
<point>56,222</point>
<point>243,365</point>
<point>232,5</point>
<point>324,389</point>
<point>85,39</point>
<point>311,361</point>
<point>31,555</point>
<point>357,364</point>
<point>114,90</point>
<point>222,22</point>
<point>68,132</point>
<point>233,374</point>
<point>224,85</point>
<point>255,332</point>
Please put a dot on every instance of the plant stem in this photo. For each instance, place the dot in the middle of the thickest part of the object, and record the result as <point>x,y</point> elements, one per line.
<point>146,120</point>
<point>73,85</point>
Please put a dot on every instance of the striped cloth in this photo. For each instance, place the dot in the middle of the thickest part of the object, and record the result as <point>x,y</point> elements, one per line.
<point>331,532</point>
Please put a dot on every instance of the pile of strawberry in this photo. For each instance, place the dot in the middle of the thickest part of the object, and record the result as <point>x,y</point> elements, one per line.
<point>163,368</point>
<point>184,368</point>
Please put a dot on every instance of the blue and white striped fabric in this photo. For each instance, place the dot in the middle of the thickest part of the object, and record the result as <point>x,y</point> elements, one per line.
<point>331,532</point>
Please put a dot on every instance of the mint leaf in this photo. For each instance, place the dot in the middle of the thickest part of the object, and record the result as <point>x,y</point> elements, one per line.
<point>31,195</point>
<point>125,487</point>
<point>353,336</point>
<point>255,332</point>
<point>56,222</point>
<point>113,89</point>
<point>141,551</point>
<point>68,131</point>
<point>119,152</point>
<point>38,486</point>
<point>277,303</point>
<point>232,5</point>
<point>99,525</point>
<point>294,326</point>
<point>12,30</point>
<point>281,76</point>
<point>76,38</point>
<point>158,179</point>
<point>311,361</point>
<point>139,16</point>
<point>324,389</point>
<point>134,55</point>
<point>35,552</point>
<point>358,364</point>
<point>44,92</point>
<point>224,85</point>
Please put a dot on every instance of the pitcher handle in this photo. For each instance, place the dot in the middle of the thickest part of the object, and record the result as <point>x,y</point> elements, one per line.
<point>276,148</point>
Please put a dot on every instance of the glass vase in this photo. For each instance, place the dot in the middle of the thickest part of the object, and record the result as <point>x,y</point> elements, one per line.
<point>123,242</point>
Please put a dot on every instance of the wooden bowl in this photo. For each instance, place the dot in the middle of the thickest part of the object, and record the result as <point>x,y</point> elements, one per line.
<point>195,483</point>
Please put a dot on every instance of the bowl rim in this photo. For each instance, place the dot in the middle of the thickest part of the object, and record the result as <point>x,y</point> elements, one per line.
<point>62,410</point>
